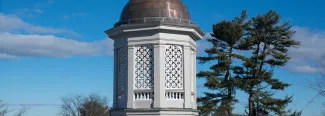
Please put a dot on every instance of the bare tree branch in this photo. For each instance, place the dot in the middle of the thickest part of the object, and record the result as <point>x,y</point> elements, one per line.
<point>22,111</point>
<point>92,105</point>
<point>318,84</point>
<point>4,110</point>
<point>71,105</point>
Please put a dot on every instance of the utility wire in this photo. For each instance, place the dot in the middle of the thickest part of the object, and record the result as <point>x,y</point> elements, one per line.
<point>310,101</point>
<point>34,105</point>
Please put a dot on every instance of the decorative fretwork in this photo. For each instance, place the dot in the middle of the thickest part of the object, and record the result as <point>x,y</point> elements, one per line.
<point>174,67</point>
<point>144,67</point>
<point>122,73</point>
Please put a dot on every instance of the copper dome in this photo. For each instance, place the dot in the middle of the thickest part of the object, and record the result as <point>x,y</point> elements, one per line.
<point>139,9</point>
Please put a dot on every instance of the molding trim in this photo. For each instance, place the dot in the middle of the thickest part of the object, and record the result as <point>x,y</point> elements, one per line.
<point>192,30</point>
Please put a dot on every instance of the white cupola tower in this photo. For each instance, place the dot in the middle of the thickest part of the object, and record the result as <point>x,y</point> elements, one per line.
<point>155,59</point>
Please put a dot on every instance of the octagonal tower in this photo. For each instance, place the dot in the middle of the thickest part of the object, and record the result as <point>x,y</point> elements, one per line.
<point>155,59</point>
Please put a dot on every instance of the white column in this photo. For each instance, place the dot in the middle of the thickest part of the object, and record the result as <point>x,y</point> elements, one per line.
<point>187,76</point>
<point>130,80</point>
<point>159,76</point>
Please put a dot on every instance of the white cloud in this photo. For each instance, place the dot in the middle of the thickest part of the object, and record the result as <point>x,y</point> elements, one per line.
<point>7,57</point>
<point>42,41</point>
<point>312,43</point>
<point>305,57</point>
<point>15,45</point>
<point>305,69</point>
<point>10,22</point>
<point>13,23</point>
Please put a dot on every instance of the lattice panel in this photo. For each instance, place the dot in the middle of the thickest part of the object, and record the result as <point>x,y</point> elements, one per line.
<point>122,73</point>
<point>174,67</point>
<point>144,67</point>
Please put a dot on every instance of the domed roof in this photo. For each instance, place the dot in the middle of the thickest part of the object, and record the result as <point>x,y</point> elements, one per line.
<point>154,9</point>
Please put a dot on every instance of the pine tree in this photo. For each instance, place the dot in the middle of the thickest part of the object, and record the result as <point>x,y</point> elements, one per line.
<point>266,105</point>
<point>269,42</point>
<point>225,40</point>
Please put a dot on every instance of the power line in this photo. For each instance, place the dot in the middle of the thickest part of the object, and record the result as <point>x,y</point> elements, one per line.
<point>32,105</point>
<point>310,101</point>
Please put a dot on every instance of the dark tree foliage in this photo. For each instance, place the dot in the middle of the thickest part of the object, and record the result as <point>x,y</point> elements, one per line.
<point>265,42</point>
<point>268,43</point>
<point>226,39</point>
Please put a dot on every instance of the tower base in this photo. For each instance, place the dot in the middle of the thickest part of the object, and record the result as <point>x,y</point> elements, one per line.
<point>154,112</point>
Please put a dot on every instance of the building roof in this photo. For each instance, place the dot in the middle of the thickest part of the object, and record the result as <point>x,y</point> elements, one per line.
<point>172,11</point>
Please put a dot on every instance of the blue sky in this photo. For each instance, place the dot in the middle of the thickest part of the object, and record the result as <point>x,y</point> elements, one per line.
<point>53,48</point>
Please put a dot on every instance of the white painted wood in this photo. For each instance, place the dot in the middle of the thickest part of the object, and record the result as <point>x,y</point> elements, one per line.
<point>188,77</point>
<point>158,100</point>
<point>130,97</point>
<point>194,105</point>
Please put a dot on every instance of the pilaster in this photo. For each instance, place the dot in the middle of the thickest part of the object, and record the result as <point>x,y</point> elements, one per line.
<point>130,82</point>
<point>159,76</point>
<point>194,104</point>
<point>187,76</point>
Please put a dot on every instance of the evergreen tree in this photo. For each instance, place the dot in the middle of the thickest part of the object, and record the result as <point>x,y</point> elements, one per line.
<point>225,40</point>
<point>268,42</point>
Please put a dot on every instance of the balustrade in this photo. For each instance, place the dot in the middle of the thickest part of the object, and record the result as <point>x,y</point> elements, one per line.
<point>174,95</point>
<point>144,95</point>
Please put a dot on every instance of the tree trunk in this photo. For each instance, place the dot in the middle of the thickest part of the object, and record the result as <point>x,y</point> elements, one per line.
<point>251,104</point>
<point>228,79</point>
<point>229,106</point>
